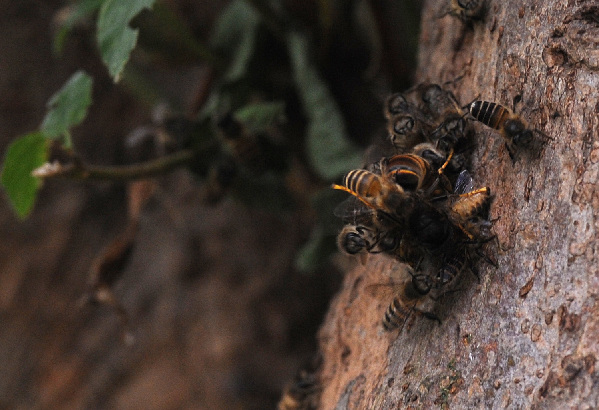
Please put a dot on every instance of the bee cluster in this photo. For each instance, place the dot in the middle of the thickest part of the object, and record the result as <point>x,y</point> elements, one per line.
<point>420,206</point>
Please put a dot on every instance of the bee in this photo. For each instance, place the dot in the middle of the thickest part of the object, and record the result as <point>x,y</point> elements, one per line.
<point>256,152</point>
<point>303,392</point>
<point>445,112</point>
<point>451,268</point>
<point>448,165</point>
<point>422,222</point>
<point>469,209</point>
<point>407,129</point>
<point>359,240</point>
<point>410,171</point>
<point>513,128</point>
<point>409,296</point>
<point>375,191</point>
<point>395,104</point>
<point>466,10</point>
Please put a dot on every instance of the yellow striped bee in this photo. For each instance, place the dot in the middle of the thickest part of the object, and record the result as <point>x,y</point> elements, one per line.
<point>513,128</point>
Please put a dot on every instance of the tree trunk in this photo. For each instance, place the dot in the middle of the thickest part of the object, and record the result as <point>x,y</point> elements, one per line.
<point>526,334</point>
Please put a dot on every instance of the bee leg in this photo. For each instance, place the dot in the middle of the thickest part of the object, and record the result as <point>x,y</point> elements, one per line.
<point>487,258</point>
<point>512,152</point>
<point>430,316</point>
<point>542,134</point>
<point>475,272</point>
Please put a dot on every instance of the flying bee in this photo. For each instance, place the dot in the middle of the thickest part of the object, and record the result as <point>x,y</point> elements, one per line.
<point>256,152</point>
<point>466,10</point>
<point>513,128</point>
<point>409,295</point>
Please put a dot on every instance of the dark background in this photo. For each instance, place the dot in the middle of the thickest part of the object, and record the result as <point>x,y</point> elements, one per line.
<point>219,315</point>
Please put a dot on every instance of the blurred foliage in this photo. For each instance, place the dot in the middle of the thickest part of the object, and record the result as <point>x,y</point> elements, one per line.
<point>67,108</point>
<point>291,88</point>
<point>22,157</point>
<point>115,37</point>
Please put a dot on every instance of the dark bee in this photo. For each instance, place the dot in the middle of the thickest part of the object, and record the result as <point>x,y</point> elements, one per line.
<point>450,269</point>
<point>445,112</point>
<point>412,212</point>
<point>396,104</point>
<point>409,294</point>
<point>406,130</point>
<point>304,391</point>
<point>256,152</point>
<point>444,164</point>
<point>354,240</point>
<point>511,126</point>
<point>466,10</point>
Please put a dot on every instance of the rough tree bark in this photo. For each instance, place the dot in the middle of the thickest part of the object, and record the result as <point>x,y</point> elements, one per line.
<point>527,334</point>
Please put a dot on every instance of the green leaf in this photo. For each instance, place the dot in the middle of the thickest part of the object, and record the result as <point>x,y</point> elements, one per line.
<point>260,116</point>
<point>75,12</point>
<point>23,156</point>
<point>329,150</point>
<point>115,38</point>
<point>68,107</point>
<point>234,37</point>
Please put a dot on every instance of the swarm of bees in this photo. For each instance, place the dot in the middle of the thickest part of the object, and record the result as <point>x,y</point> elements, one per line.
<point>420,204</point>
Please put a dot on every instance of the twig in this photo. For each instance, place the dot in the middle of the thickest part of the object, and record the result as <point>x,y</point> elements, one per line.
<point>81,171</point>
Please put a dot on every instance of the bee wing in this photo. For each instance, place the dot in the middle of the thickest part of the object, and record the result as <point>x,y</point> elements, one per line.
<point>353,211</point>
<point>464,183</point>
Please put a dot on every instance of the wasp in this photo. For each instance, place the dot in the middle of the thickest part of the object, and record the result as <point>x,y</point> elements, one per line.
<point>513,128</point>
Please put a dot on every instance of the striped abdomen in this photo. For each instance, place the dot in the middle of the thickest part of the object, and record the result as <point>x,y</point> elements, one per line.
<point>364,183</point>
<point>489,113</point>
<point>410,171</point>
<point>472,203</point>
<point>395,315</point>
<point>450,269</point>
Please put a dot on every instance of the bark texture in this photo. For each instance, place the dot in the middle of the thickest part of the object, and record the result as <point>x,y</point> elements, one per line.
<point>526,335</point>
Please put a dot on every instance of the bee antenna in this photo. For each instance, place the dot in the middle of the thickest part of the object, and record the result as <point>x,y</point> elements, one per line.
<point>465,107</point>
